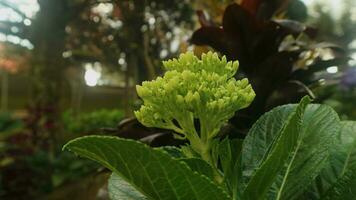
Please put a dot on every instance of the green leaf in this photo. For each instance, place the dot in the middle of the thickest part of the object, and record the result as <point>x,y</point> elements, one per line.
<point>321,125</point>
<point>344,188</point>
<point>200,166</point>
<point>120,189</point>
<point>349,143</point>
<point>260,138</point>
<point>153,172</point>
<point>286,142</point>
<point>338,180</point>
<point>229,152</point>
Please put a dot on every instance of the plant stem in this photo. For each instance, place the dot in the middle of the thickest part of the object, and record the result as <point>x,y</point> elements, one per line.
<point>206,155</point>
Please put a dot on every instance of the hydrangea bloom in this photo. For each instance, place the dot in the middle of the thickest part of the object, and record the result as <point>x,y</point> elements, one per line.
<point>204,89</point>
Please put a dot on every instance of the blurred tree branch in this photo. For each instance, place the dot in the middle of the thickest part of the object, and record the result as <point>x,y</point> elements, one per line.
<point>6,26</point>
<point>8,5</point>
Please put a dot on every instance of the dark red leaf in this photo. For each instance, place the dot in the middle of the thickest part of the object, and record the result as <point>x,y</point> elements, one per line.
<point>251,5</point>
<point>214,37</point>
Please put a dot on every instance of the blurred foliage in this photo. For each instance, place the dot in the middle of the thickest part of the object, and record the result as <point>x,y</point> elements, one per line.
<point>12,58</point>
<point>139,32</point>
<point>343,101</point>
<point>215,8</point>
<point>278,56</point>
<point>93,122</point>
<point>340,92</point>
<point>337,29</point>
<point>73,32</point>
<point>8,124</point>
<point>28,171</point>
<point>32,176</point>
<point>70,33</point>
<point>46,32</point>
<point>131,37</point>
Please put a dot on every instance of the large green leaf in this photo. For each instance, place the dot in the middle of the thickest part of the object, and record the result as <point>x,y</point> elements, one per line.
<point>275,155</point>
<point>152,172</point>
<point>320,128</point>
<point>260,138</point>
<point>338,179</point>
<point>303,160</point>
<point>120,189</point>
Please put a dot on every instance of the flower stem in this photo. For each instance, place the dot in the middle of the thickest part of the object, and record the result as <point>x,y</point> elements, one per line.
<point>205,153</point>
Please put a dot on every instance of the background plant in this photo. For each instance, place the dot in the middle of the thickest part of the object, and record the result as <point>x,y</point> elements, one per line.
<point>86,123</point>
<point>20,153</point>
<point>279,56</point>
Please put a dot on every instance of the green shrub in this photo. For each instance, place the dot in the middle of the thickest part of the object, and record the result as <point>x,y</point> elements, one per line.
<point>91,122</point>
<point>8,125</point>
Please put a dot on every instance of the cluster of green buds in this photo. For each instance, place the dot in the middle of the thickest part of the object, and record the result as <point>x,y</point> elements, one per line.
<point>194,89</point>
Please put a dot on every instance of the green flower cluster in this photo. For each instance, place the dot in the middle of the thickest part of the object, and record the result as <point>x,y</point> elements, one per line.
<point>194,89</point>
